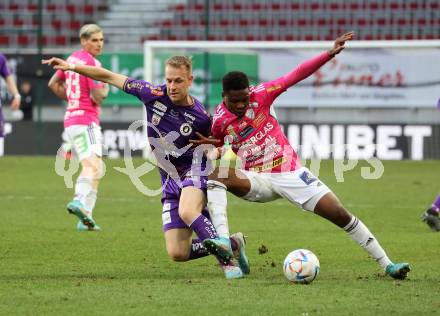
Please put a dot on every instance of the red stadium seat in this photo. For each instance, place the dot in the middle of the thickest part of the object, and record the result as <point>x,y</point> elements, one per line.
<point>32,7</point>
<point>23,40</point>
<point>71,8</point>
<point>88,9</point>
<point>60,40</point>
<point>4,40</point>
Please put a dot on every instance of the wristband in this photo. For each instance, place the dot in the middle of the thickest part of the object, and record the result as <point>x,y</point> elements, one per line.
<point>71,66</point>
<point>17,95</point>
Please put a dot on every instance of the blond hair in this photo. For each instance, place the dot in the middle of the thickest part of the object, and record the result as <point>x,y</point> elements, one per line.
<point>179,61</point>
<point>88,29</point>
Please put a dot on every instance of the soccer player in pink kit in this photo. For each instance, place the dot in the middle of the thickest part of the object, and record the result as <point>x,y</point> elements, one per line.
<point>271,169</point>
<point>81,122</point>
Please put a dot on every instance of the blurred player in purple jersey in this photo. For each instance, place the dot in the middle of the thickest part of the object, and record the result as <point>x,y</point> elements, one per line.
<point>6,73</point>
<point>431,216</point>
<point>81,123</point>
<point>174,117</point>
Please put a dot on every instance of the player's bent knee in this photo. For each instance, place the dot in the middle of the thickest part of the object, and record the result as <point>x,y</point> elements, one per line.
<point>177,255</point>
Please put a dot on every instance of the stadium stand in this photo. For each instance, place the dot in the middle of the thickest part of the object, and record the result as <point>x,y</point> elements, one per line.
<point>129,22</point>
<point>61,21</point>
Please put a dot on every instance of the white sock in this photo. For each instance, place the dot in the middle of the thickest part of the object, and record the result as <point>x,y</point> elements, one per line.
<point>361,234</point>
<point>90,201</point>
<point>2,146</point>
<point>217,204</point>
<point>83,187</point>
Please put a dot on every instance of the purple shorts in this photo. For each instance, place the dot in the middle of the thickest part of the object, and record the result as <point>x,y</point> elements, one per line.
<point>170,202</point>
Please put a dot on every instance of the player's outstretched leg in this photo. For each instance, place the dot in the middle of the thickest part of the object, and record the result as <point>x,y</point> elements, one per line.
<point>76,208</point>
<point>220,247</point>
<point>240,252</point>
<point>431,218</point>
<point>398,270</point>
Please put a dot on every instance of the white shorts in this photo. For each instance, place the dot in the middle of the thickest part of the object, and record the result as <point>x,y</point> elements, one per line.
<point>300,187</point>
<point>86,140</point>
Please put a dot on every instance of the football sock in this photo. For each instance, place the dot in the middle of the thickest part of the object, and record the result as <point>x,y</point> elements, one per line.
<point>90,201</point>
<point>203,228</point>
<point>217,205</point>
<point>2,144</point>
<point>361,234</point>
<point>436,205</point>
<point>197,250</point>
<point>83,187</point>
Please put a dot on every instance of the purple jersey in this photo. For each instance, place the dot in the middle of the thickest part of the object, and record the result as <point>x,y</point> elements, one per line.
<point>4,69</point>
<point>170,127</point>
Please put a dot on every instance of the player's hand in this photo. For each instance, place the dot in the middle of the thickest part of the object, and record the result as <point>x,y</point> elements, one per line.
<point>204,140</point>
<point>340,42</point>
<point>15,104</point>
<point>56,63</point>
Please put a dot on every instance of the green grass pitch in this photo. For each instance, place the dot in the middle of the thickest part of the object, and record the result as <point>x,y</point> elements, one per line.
<point>48,268</point>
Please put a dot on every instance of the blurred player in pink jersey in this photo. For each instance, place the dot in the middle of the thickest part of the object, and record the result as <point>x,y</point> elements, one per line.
<point>81,122</point>
<point>271,168</point>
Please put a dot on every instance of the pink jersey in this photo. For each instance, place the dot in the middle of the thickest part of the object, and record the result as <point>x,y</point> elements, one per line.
<point>81,109</point>
<point>257,138</point>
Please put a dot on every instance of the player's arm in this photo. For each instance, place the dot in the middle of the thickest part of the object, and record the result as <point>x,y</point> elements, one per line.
<point>96,73</point>
<point>56,84</point>
<point>99,94</point>
<point>12,88</point>
<point>307,68</point>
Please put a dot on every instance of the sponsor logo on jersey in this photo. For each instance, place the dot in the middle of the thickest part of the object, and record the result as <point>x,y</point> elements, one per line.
<point>230,130</point>
<point>174,113</point>
<point>262,132</point>
<point>135,85</point>
<point>189,117</point>
<point>260,119</point>
<point>155,119</point>
<point>185,129</point>
<point>158,112</point>
<point>307,178</point>
<point>273,88</point>
<point>160,106</point>
<point>254,104</point>
<point>157,92</point>
<point>246,131</point>
<point>270,165</point>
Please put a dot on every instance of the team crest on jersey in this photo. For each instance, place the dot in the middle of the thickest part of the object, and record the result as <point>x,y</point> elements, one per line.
<point>250,114</point>
<point>157,91</point>
<point>185,129</point>
<point>254,104</point>
<point>155,119</point>
<point>307,177</point>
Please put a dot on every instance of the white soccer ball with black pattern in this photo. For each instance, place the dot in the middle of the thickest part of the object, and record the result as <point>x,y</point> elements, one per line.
<point>301,266</point>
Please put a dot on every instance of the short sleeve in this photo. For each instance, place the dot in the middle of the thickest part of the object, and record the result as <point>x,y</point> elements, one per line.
<point>4,69</point>
<point>143,90</point>
<point>60,74</point>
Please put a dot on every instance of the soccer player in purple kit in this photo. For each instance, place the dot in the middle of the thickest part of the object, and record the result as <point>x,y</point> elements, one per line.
<point>6,73</point>
<point>431,216</point>
<point>174,117</point>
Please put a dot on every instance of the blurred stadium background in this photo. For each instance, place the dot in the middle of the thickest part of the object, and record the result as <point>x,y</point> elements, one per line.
<point>382,90</point>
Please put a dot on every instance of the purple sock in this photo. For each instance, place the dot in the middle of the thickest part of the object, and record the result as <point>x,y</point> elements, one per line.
<point>436,204</point>
<point>203,228</point>
<point>197,250</point>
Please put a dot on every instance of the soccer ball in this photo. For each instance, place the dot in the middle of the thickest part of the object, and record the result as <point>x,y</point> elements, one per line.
<point>301,266</point>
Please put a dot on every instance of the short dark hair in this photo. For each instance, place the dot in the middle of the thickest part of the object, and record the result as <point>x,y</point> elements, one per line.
<point>235,80</point>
